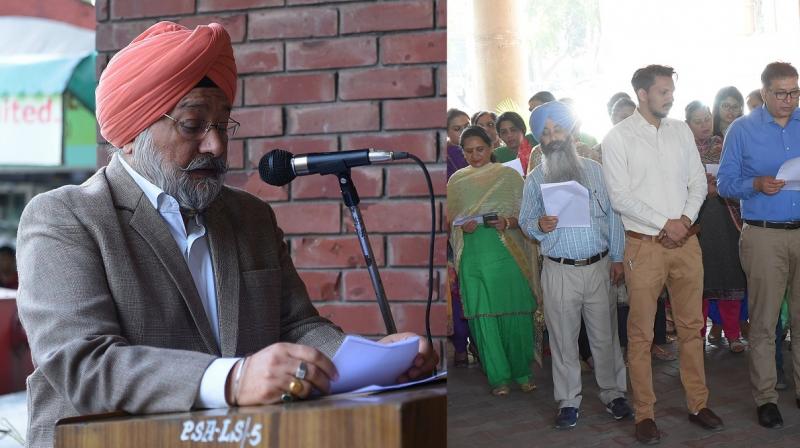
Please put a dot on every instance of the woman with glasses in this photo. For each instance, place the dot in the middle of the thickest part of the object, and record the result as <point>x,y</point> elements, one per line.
<point>720,223</point>
<point>483,202</point>
<point>728,106</point>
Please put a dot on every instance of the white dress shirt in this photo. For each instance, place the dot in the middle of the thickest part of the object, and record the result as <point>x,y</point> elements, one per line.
<point>194,247</point>
<point>653,174</point>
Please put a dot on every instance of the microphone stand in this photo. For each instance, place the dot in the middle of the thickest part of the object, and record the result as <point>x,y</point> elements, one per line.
<point>351,200</point>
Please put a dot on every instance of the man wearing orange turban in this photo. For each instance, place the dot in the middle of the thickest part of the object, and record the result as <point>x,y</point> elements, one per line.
<point>143,289</point>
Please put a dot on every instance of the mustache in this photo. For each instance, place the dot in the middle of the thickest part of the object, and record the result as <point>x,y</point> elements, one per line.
<point>206,162</point>
<point>554,145</point>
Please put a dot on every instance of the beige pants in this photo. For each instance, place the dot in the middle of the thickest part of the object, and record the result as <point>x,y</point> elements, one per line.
<point>771,260</point>
<point>648,267</point>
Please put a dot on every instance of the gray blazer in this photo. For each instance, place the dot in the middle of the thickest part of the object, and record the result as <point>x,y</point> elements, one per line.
<point>112,314</point>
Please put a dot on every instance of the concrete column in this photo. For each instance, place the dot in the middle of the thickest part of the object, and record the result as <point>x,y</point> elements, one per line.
<point>500,51</point>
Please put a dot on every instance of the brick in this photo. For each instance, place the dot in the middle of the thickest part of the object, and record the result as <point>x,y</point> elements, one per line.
<point>296,145</point>
<point>343,117</point>
<point>334,252</point>
<point>394,216</point>
<point>290,89</point>
<point>367,17</point>
<point>258,57</point>
<point>401,82</point>
<point>252,183</point>
<point>405,284</point>
<point>101,10</point>
<point>238,101</point>
<point>420,143</point>
<point>322,285</point>
<point>368,182</point>
<point>150,8</point>
<point>309,217</point>
<point>101,63</point>
<point>331,53</point>
<point>414,48</point>
<point>258,121</point>
<point>234,24</point>
<point>313,2</point>
<point>405,181</point>
<point>222,5</point>
<point>112,36</point>
<point>441,13</point>
<point>366,319</point>
<point>235,154</point>
<point>293,23</point>
<point>441,74</point>
<point>415,114</point>
<point>412,250</point>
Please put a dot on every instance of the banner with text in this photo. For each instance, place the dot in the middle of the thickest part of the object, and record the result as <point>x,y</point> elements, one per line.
<point>32,128</point>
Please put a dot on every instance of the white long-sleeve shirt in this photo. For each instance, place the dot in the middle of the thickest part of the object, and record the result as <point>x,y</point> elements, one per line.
<point>653,174</point>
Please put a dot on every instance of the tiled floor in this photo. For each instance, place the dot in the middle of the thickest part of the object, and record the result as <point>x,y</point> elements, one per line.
<point>478,419</point>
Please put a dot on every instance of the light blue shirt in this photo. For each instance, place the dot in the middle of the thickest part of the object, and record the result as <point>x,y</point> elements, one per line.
<point>756,145</point>
<point>193,243</point>
<point>576,243</point>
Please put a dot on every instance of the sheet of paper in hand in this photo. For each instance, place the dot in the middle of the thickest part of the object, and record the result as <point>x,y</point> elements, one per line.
<point>569,201</point>
<point>790,172</point>
<point>516,164</point>
<point>461,220</point>
<point>362,362</point>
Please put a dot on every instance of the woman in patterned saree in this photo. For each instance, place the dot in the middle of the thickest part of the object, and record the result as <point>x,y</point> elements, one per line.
<point>492,262</point>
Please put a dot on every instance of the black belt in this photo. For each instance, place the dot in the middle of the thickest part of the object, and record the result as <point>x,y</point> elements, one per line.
<point>774,225</point>
<point>584,262</point>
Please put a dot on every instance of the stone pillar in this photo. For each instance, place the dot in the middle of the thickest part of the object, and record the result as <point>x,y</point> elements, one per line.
<point>500,51</point>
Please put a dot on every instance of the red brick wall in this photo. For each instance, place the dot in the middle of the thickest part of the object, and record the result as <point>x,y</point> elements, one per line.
<point>326,76</point>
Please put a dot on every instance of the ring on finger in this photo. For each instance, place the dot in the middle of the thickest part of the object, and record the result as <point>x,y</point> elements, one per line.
<point>296,387</point>
<point>301,371</point>
<point>287,397</point>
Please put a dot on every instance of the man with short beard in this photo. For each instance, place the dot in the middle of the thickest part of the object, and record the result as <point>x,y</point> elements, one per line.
<point>578,263</point>
<point>152,287</point>
<point>657,183</point>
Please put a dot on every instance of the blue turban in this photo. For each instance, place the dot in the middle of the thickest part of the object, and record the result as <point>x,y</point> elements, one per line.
<point>557,111</point>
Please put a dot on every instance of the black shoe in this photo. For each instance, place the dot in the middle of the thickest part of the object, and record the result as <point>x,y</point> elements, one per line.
<point>619,408</point>
<point>769,416</point>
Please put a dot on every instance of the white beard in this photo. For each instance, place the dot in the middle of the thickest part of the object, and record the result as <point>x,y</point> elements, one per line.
<point>562,165</point>
<point>191,194</point>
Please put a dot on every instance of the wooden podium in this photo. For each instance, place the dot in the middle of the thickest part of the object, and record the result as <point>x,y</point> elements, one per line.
<point>414,417</point>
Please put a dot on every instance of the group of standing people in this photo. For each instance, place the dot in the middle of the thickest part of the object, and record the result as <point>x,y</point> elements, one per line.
<point>665,213</point>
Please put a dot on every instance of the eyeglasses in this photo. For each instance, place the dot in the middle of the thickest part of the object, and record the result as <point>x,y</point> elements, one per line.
<point>794,94</point>
<point>728,107</point>
<point>193,129</point>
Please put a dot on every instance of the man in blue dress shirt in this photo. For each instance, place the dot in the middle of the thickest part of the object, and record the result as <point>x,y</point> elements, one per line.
<point>755,147</point>
<point>579,265</point>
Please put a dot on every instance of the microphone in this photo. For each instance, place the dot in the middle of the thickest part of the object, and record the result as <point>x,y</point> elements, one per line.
<point>279,167</point>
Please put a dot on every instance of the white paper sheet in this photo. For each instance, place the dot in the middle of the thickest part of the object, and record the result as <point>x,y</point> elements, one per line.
<point>361,362</point>
<point>461,220</point>
<point>790,172</point>
<point>712,168</point>
<point>569,201</point>
<point>375,389</point>
<point>516,164</point>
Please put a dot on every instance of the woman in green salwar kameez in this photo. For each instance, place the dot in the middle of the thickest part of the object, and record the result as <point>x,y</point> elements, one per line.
<point>493,268</point>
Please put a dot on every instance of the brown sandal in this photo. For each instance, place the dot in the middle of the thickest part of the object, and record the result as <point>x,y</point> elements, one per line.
<point>527,387</point>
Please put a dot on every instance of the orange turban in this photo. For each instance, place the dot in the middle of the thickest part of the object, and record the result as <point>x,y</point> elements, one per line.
<point>147,78</point>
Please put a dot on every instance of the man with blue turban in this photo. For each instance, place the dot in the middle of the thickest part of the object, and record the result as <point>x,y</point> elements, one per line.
<point>580,263</point>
